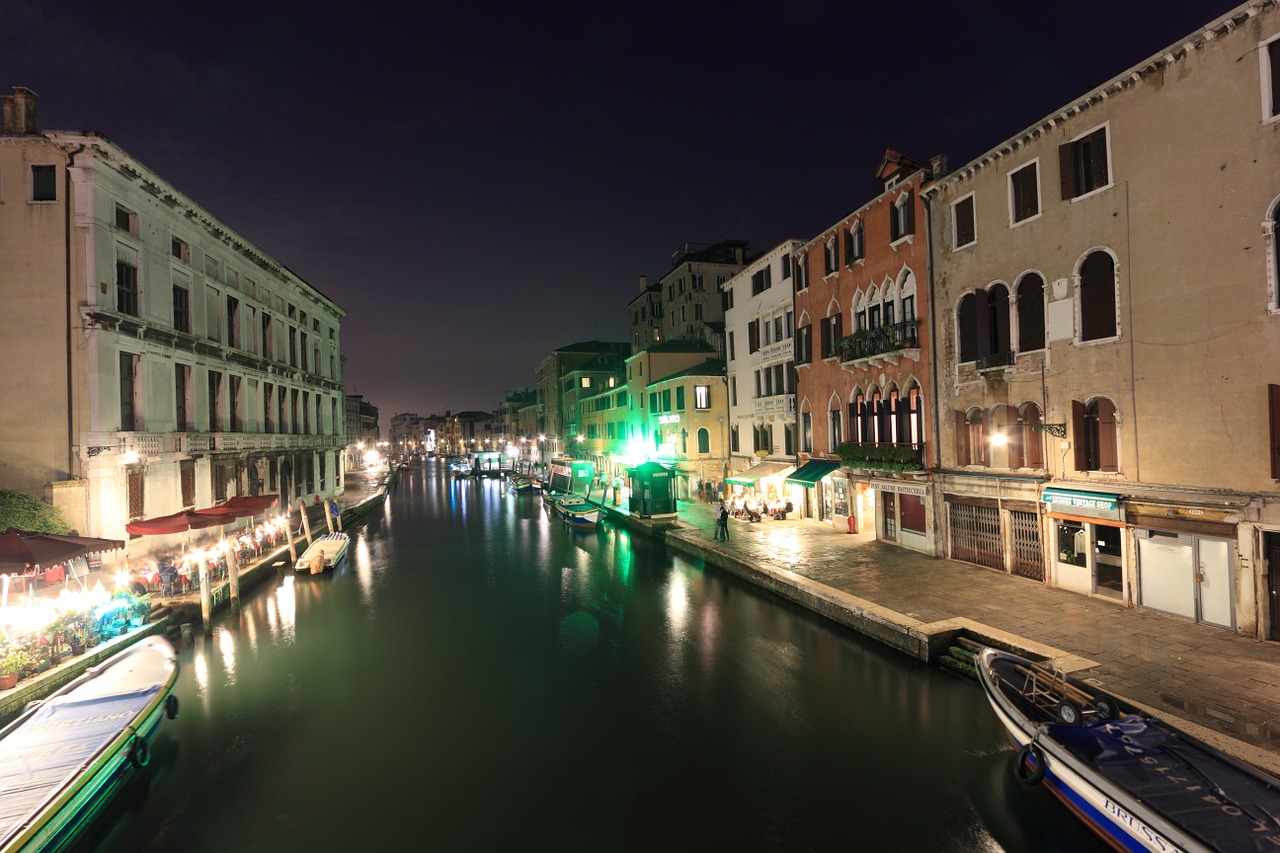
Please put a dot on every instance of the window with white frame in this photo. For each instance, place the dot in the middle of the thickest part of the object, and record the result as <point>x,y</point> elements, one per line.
<point>902,218</point>
<point>1024,193</point>
<point>1084,164</point>
<point>1269,57</point>
<point>702,396</point>
<point>964,229</point>
<point>830,256</point>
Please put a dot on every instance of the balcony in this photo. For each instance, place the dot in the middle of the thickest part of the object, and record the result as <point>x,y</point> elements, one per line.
<point>784,404</point>
<point>883,345</point>
<point>882,456</point>
<point>996,361</point>
<point>777,351</point>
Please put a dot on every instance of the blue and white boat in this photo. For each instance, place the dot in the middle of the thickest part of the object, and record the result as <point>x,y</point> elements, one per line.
<point>66,756</point>
<point>577,512</point>
<point>324,552</point>
<point>1137,781</point>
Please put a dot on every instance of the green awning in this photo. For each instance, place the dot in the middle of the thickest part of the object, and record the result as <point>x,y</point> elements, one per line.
<point>760,471</point>
<point>811,472</point>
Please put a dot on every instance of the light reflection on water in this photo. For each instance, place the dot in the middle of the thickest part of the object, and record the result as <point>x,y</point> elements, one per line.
<point>479,676</point>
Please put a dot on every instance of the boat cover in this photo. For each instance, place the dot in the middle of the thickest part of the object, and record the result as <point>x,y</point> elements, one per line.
<point>57,743</point>
<point>1208,796</point>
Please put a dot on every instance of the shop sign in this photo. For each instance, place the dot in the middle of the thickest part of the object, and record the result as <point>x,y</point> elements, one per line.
<point>668,419</point>
<point>900,487</point>
<point>1090,504</point>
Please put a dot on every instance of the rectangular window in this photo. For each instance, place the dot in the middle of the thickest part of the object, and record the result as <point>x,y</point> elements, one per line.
<point>964,229</point>
<point>786,267</point>
<point>181,397</point>
<point>212,316</point>
<point>44,183</point>
<point>126,220</point>
<point>233,322</point>
<point>702,396</point>
<point>733,439</point>
<point>753,336</point>
<point>126,281</point>
<point>666,400</point>
<point>268,340</point>
<point>679,398</point>
<point>731,350</point>
<point>1082,164</point>
<point>128,391</point>
<point>187,476</point>
<point>215,401</point>
<point>1270,58</point>
<point>180,249</point>
<point>1024,193</point>
<point>137,481</point>
<point>212,269</point>
<point>181,304</point>
<point>237,405</point>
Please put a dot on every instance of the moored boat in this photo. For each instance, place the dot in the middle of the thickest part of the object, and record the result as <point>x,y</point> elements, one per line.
<point>522,485</point>
<point>65,757</point>
<point>577,511</point>
<point>324,552</point>
<point>1137,781</point>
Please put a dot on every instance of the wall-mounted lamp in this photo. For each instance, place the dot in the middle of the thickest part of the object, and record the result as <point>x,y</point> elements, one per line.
<point>1055,430</point>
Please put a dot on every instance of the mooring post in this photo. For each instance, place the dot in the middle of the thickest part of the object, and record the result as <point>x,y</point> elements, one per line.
<point>233,578</point>
<point>206,597</point>
<point>306,522</point>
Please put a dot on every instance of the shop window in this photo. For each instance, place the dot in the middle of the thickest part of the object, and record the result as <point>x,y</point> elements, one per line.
<point>911,513</point>
<point>1072,543</point>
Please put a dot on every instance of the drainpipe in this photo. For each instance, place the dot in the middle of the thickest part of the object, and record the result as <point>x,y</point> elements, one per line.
<point>73,460</point>
<point>933,335</point>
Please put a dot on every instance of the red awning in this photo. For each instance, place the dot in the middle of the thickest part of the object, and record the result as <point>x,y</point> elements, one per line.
<point>179,522</point>
<point>241,506</point>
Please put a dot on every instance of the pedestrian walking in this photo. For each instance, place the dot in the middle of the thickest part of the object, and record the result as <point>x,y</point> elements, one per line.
<point>722,523</point>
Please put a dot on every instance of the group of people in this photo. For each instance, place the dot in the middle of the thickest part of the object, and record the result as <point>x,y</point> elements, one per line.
<point>748,512</point>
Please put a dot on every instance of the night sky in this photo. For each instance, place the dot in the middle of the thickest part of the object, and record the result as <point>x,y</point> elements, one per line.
<point>479,184</point>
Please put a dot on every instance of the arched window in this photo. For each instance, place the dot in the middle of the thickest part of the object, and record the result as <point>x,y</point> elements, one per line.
<point>1272,227</point>
<point>1095,427</point>
<point>704,440</point>
<point>971,437</point>
<point>1030,313</point>
<point>1032,438</point>
<point>967,327</point>
<point>915,417</point>
<point>835,430</point>
<point>997,338</point>
<point>1004,423</point>
<point>1097,297</point>
<point>879,418</point>
<point>861,419</point>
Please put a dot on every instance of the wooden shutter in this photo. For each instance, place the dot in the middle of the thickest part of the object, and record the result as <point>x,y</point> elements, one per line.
<point>911,212</point>
<point>1066,170</point>
<point>1098,156</point>
<point>1108,457</point>
<point>1079,435</point>
<point>962,438</point>
<point>1273,400</point>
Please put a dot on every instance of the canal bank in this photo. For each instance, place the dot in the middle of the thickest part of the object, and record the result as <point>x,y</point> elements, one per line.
<point>1219,686</point>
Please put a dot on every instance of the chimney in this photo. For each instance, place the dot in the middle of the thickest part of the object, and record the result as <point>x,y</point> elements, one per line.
<point>19,112</point>
<point>644,283</point>
<point>938,165</point>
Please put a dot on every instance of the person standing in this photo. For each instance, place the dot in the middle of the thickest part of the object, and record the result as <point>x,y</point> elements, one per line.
<point>722,523</point>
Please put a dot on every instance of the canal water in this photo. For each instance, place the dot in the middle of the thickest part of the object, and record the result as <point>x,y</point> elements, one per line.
<point>480,677</point>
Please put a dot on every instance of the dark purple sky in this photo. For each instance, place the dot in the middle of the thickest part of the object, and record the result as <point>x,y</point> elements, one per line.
<point>479,184</point>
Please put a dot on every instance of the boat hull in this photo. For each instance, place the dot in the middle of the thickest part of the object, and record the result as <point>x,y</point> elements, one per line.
<point>63,760</point>
<point>323,554</point>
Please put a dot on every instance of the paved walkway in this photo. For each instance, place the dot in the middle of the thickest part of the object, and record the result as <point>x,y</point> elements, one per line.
<point>1225,688</point>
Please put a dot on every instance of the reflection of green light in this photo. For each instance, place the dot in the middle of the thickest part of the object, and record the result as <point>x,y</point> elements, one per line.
<point>622,553</point>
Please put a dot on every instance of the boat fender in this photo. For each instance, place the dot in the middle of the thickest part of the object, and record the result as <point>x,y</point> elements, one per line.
<point>171,706</point>
<point>1031,775</point>
<point>139,752</point>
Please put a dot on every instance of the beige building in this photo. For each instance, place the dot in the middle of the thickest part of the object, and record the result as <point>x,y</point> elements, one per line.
<point>1107,314</point>
<point>159,360</point>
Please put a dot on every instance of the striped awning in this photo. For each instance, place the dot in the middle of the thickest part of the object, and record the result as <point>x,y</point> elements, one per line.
<point>760,471</point>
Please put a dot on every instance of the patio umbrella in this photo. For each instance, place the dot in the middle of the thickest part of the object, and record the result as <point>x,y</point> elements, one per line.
<point>242,506</point>
<point>18,548</point>
<point>179,522</point>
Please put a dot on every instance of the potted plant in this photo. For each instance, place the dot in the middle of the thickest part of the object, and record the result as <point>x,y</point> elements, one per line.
<point>76,639</point>
<point>11,666</point>
<point>139,610</point>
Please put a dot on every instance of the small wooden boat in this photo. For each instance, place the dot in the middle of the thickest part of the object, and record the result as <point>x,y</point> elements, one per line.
<point>323,553</point>
<point>1137,781</point>
<point>578,512</point>
<point>522,485</point>
<point>66,756</point>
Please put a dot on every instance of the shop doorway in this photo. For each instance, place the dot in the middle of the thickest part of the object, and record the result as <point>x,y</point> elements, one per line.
<point>1187,575</point>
